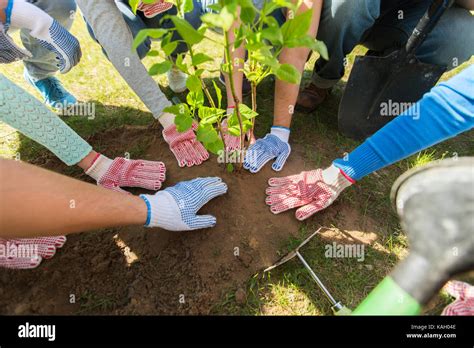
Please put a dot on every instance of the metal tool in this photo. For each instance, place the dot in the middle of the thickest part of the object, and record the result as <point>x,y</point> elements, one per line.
<point>394,82</point>
<point>337,307</point>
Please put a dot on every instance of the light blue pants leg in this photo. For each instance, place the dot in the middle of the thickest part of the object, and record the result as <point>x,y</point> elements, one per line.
<point>43,64</point>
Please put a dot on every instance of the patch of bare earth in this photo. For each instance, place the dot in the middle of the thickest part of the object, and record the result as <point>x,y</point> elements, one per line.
<point>135,270</point>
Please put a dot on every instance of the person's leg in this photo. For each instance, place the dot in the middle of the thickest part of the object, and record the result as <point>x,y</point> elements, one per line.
<point>343,24</point>
<point>43,64</point>
<point>450,43</point>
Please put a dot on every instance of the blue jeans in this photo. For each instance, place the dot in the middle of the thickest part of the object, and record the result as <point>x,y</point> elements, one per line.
<point>43,64</point>
<point>372,23</point>
<point>137,22</point>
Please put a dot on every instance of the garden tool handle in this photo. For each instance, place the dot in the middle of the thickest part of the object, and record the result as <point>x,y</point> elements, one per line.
<point>426,24</point>
<point>388,298</point>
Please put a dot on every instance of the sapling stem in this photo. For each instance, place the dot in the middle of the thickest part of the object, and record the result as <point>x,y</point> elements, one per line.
<point>203,84</point>
<point>234,94</point>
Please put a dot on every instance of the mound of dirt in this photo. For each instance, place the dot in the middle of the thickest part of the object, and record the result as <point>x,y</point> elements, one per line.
<point>134,270</point>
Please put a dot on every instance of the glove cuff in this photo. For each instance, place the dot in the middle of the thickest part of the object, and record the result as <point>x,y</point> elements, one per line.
<point>164,212</point>
<point>282,133</point>
<point>99,167</point>
<point>166,119</point>
<point>336,177</point>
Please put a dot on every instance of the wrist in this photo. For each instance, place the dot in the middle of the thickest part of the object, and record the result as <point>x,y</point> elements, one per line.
<point>100,165</point>
<point>283,133</point>
<point>166,119</point>
<point>336,176</point>
<point>163,212</point>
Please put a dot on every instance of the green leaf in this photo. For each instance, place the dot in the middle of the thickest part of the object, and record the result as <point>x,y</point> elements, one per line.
<point>169,47</point>
<point>265,56</point>
<point>180,64</point>
<point>153,53</point>
<point>193,83</point>
<point>230,167</point>
<point>288,73</point>
<point>311,43</point>
<point>183,119</point>
<point>209,115</point>
<point>206,134</point>
<point>248,15</point>
<point>271,22</point>
<point>183,123</point>
<point>134,5</point>
<point>322,49</point>
<point>234,130</point>
<point>223,20</point>
<point>186,30</point>
<point>297,27</point>
<point>200,58</point>
<point>145,33</point>
<point>274,35</point>
<point>268,8</point>
<point>160,68</point>
<point>178,109</point>
<point>195,99</point>
<point>239,37</point>
<point>215,147</point>
<point>246,112</point>
<point>187,6</point>
<point>218,93</point>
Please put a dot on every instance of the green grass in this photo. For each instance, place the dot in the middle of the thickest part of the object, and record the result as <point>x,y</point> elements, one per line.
<point>288,289</point>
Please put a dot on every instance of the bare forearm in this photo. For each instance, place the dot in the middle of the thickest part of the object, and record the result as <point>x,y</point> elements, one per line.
<point>37,202</point>
<point>236,57</point>
<point>467,4</point>
<point>287,93</point>
<point>3,6</point>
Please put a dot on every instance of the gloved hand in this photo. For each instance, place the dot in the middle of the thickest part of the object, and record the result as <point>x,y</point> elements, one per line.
<point>175,208</point>
<point>273,145</point>
<point>464,295</point>
<point>50,34</point>
<point>313,191</point>
<point>9,51</point>
<point>152,10</point>
<point>232,143</point>
<point>185,147</point>
<point>121,172</point>
<point>40,248</point>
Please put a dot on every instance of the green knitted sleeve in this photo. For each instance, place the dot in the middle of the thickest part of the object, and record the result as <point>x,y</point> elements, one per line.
<point>29,116</point>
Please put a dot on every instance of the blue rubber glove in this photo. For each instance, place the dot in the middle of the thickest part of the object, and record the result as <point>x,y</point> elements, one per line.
<point>175,208</point>
<point>273,145</point>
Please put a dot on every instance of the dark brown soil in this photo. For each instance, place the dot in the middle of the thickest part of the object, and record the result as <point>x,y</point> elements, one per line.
<point>174,272</point>
<point>134,270</point>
